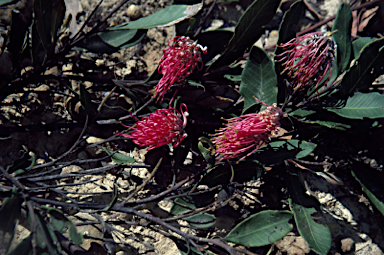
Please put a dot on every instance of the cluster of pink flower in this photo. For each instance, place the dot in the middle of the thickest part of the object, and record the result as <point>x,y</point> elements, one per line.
<point>160,128</point>
<point>178,61</point>
<point>244,135</point>
<point>308,59</point>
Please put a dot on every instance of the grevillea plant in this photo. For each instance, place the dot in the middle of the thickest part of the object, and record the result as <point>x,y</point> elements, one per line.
<point>233,172</point>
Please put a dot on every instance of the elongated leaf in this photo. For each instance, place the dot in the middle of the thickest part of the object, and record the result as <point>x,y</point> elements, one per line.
<point>60,222</point>
<point>120,158</point>
<point>232,77</point>
<point>303,206</point>
<point>49,17</point>
<point>75,236</point>
<point>114,199</point>
<point>22,248</point>
<point>201,220</point>
<point>182,205</point>
<point>278,151</point>
<point>362,105</point>
<point>372,184</point>
<point>217,176</point>
<point>10,212</point>
<point>165,17</point>
<point>207,150</point>
<point>365,70</point>
<point>261,229</point>
<point>17,36</point>
<point>311,117</point>
<point>258,79</point>
<point>4,2</point>
<point>359,44</point>
<point>85,98</point>
<point>116,38</point>
<point>248,30</point>
<point>342,37</point>
<point>25,163</point>
<point>184,248</point>
<point>111,41</point>
<point>316,235</point>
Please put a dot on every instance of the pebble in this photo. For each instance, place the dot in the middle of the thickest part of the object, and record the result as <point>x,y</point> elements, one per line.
<point>347,244</point>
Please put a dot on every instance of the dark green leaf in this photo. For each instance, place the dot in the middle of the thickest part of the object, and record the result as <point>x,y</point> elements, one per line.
<point>115,196</point>
<point>25,162</point>
<point>359,44</point>
<point>120,158</point>
<point>201,220</point>
<point>247,170</point>
<point>303,206</point>
<point>17,36</point>
<point>302,113</point>
<point>111,41</point>
<point>329,124</point>
<point>49,15</point>
<point>232,77</point>
<point>116,38</point>
<point>4,2</point>
<point>184,248</point>
<point>135,40</point>
<point>365,70</point>
<point>45,237</point>
<point>372,184</point>
<point>165,17</point>
<point>311,117</point>
<point>316,235</point>
<point>60,222</point>
<point>182,205</point>
<point>258,79</point>
<point>75,236</point>
<point>206,151</point>
<point>278,151</point>
<point>362,105</point>
<point>216,176</point>
<point>58,12</point>
<point>260,229</point>
<point>10,212</point>
<point>85,98</point>
<point>249,28</point>
<point>343,25</point>
<point>22,248</point>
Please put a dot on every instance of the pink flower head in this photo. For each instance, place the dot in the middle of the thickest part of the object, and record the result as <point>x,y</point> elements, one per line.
<point>177,62</point>
<point>244,135</point>
<point>308,59</point>
<point>160,128</point>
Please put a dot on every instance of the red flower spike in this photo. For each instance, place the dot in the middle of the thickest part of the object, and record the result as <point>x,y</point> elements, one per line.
<point>178,61</point>
<point>308,58</point>
<point>160,128</point>
<point>244,135</point>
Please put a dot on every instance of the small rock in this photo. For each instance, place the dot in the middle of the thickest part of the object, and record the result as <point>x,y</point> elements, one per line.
<point>347,244</point>
<point>134,11</point>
